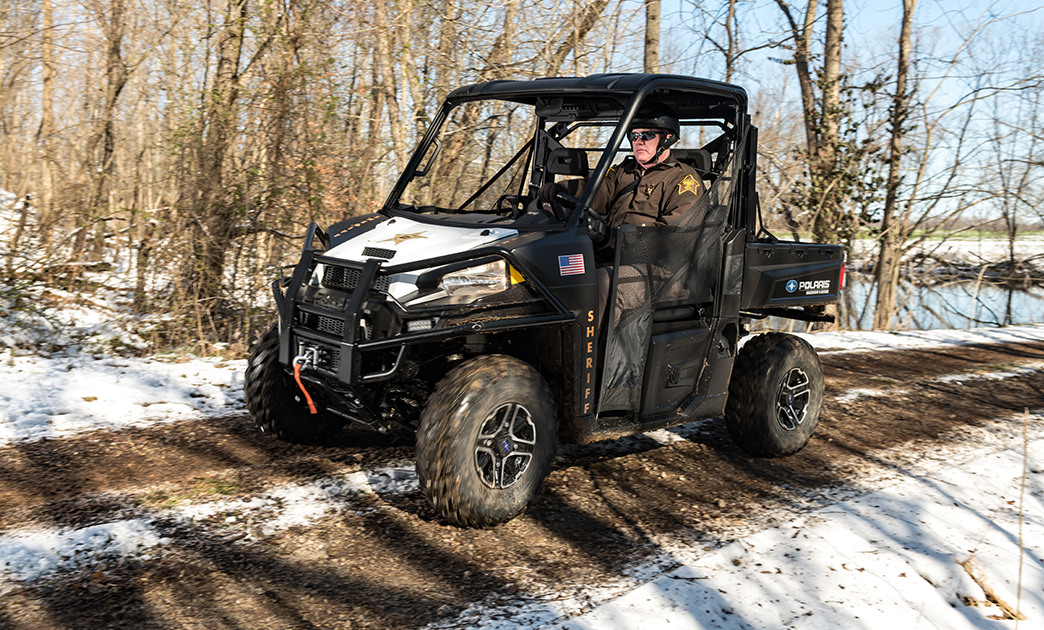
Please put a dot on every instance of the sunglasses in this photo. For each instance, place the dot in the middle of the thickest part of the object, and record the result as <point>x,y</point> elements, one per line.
<point>634,136</point>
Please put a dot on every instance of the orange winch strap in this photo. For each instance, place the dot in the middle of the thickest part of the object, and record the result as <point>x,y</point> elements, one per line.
<point>297,377</point>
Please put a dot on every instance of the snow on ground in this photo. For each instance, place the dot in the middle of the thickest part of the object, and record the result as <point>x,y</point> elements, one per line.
<point>901,557</point>
<point>868,340</point>
<point>291,504</point>
<point>971,247</point>
<point>890,557</point>
<point>28,555</point>
<point>58,396</point>
<point>32,553</point>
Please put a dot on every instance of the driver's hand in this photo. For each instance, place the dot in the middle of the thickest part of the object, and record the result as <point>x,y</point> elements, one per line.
<point>598,229</point>
<point>549,191</point>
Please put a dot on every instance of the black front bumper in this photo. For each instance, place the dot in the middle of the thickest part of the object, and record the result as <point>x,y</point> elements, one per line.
<point>351,331</point>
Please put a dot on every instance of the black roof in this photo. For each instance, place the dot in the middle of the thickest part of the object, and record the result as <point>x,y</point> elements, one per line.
<point>620,86</point>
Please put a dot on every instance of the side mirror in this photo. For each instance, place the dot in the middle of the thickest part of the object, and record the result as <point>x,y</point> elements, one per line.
<point>433,152</point>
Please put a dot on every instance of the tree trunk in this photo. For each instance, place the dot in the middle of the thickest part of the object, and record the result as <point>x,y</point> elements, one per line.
<point>585,22</point>
<point>652,36</point>
<point>731,54</point>
<point>389,85</point>
<point>802,45</point>
<point>828,216</point>
<point>831,79</point>
<point>101,142</point>
<point>212,211</point>
<point>46,135</point>
<point>502,51</point>
<point>893,237</point>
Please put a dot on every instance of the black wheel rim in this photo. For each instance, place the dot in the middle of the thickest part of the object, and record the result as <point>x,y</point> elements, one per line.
<point>792,400</point>
<point>505,446</point>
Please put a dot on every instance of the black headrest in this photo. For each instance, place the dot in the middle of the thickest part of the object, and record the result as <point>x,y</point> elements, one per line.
<point>699,159</point>
<point>564,161</point>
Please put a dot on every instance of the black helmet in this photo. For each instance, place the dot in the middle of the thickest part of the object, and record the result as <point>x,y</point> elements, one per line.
<point>658,118</point>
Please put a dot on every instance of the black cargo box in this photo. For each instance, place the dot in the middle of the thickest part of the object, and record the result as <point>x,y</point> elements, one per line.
<point>786,274</point>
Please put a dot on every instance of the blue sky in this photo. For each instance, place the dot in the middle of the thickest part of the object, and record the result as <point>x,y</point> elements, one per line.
<point>871,29</point>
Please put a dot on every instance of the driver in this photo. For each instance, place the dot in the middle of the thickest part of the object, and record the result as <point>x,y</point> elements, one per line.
<point>649,187</point>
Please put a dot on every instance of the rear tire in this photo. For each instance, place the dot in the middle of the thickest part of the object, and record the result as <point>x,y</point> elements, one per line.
<point>775,395</point>
<point>486,441</point>
<point>276,402</point>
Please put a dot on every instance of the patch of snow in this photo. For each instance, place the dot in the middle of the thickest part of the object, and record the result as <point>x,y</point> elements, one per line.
<point>1021,371</point>
<point>867,341</point>
<point>28,555</point>
<point>1000,375</point>
<point>75,394</point>
<point>292,504</point>
<point>400,479</point>
<point>852,395</point>
<point>664,436</point>
<point>967,248</point>
<point>892,558</point>
<point>287,505</point>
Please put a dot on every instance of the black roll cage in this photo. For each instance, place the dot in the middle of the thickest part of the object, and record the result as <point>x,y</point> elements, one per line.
<point>548,96</point>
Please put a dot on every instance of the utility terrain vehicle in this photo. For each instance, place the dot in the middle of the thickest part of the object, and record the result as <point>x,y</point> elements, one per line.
<point>465,309</point>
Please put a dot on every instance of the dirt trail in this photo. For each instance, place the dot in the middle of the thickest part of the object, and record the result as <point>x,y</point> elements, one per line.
<point>388,562</point>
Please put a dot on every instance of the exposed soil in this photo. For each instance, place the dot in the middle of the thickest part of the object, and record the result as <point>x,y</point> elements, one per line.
<point>391,563</point>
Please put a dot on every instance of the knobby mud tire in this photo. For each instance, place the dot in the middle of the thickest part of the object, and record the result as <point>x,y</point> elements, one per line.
<point>770,367</point>
<point>276,402</point>
<point>449,463</point>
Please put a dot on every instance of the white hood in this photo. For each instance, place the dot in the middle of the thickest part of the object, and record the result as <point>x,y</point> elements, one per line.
<point>412,241</point>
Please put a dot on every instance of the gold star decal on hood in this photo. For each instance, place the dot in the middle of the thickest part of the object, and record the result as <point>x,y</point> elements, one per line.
<point>399,238</point>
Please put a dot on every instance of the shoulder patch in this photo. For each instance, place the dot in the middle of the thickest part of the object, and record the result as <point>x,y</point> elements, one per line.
<point>688,184</point>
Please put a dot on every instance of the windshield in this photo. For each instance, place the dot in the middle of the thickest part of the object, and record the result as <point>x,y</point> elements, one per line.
<point>490,157</point>
<point>485,153</point>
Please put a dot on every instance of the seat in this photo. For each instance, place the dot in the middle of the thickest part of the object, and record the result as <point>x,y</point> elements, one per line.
<point>699,159</point>
<point>563,161</point>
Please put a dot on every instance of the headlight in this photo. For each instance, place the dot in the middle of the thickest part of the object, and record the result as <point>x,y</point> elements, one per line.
<point>475,282</point>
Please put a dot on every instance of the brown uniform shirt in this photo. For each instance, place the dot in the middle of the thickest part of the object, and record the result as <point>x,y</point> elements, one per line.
<point>663,194</point>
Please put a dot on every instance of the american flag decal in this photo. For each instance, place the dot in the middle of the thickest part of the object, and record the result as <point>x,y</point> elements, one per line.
<point>571,265</point>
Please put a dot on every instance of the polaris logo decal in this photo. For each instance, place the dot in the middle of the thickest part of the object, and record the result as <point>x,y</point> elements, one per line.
<point>808,288</point>
<point>815,287</point>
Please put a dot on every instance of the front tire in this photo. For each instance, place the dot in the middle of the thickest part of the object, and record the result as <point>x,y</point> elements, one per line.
<point>276,402</point>
<point>486,441</point>
<point>775,395</point>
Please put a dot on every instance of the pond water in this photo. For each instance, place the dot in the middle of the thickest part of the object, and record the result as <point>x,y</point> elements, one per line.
<point>957,305</point>
<point>964,304</point>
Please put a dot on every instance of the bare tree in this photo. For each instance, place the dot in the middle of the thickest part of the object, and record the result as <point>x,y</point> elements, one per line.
<point>213,213</point>
<point>202,137</point>
<point>892,236</point>
<point>100,163</point>
<point>652,36</point>
<point>829,170</point>
<point>45,138</point>
<point>936,158</point>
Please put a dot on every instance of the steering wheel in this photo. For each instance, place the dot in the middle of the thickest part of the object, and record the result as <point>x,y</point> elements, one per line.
<point>515,203</point>
<point>561,202</point>
<point>596,225</point>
